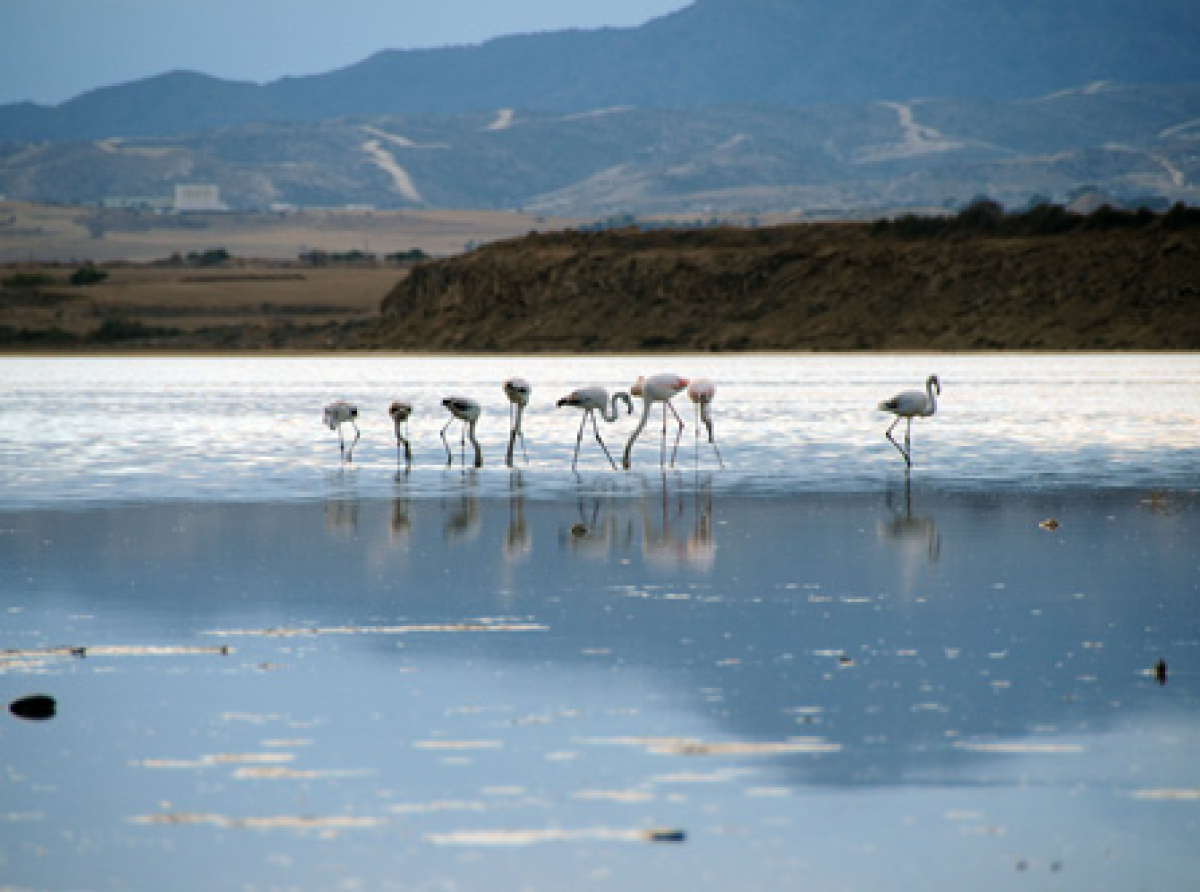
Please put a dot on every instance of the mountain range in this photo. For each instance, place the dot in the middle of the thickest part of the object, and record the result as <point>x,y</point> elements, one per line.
<point>725,104</point>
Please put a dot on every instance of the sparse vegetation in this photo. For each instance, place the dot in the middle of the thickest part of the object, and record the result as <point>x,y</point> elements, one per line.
<point>88,275</point>
<point>118,328</point>
<point>211,257</point>
<point>986,217</point>
<point>28,281</point>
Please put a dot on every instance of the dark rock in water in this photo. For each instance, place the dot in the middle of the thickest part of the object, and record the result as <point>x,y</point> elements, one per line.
<point>1160,671</point>
<point>36,707</point>
<point>665,834</point>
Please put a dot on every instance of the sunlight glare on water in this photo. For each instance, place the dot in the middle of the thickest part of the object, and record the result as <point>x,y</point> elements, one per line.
<point>105,428</point>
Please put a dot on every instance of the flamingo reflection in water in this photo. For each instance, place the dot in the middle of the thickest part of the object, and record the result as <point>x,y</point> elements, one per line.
<point>667,539</point>
<point>915,537</point>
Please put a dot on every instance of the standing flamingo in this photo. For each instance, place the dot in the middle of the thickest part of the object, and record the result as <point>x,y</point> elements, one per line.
<point>467,411</point>
<point>400,412</point>
<point>701,392</point>
<point>909,405</point>
<point>517,390</point>
<point>593,400</point>
<point>657,389</point>
<point>338,413</point>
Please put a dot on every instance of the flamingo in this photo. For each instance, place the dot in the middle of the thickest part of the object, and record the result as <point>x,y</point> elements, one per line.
<point>517,390</point>
<point>657,389</point>
<point>338,413</point>
<point>467,411</point>
<point>909,405</point>
<point>400,412</point>
<point>593,400</point>
<point>701,392</point>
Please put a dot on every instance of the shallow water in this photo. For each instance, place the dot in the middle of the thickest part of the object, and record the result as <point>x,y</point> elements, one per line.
<point>812,670</point>
<point>98,429</point>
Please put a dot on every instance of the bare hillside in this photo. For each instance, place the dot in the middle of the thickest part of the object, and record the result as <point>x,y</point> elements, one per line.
<point>844,286</point>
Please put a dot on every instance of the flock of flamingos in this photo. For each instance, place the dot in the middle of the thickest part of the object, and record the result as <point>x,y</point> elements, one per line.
<point>656,389</point>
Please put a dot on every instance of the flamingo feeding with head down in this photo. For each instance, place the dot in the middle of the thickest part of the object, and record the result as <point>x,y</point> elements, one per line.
<point>909,405</point>
<point>657,389</point>
<point>701,392</point>
<point>467,411</point>
<point>593,400</point>
<point>517,390</point>
<point>339,413</point>
<point>400,412</point>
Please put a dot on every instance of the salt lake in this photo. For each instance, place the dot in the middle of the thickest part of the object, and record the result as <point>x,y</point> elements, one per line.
<point>276,669</point>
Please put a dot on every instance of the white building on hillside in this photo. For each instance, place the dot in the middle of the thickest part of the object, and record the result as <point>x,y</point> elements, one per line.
<point>192,198</point>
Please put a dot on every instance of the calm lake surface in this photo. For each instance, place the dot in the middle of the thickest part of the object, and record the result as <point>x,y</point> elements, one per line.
<point>276,670</point>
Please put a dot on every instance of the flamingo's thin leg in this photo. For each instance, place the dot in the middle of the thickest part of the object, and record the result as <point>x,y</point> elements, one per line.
<point>449,454</point>
<point>678,432</point>
<point>579,438</point>
<point>892,439</point>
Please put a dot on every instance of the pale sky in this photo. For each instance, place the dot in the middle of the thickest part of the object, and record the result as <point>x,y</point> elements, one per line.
<point>53,50</point>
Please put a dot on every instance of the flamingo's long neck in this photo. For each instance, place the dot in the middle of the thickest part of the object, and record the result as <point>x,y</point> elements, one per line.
<point>931,397</point>
<point>609,412</point>
<point>706,417</point>
<point>646,402</point>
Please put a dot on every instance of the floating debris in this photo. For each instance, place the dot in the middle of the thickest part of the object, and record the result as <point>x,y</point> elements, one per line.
<point>1049,524</point>
<point>684,746</point>
<point>312,631</point>
<point>34,708</point>
<point>457,744</point>
<point>41,654</point>
<point>1019,747</point>
<point>218,759</point>
<point>1160,671</point>
<point>1183,795</point>
<point>288,822</point>
<point>665,834</point>
<point>525,837</point>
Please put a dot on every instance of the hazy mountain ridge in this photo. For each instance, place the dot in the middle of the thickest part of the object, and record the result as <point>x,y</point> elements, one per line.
<point>789,53</point>
<point>1129,141</point>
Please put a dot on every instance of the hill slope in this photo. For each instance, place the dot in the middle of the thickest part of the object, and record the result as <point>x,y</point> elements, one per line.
<point>714,52</point>
<point>820,287</point>
<point>1126,140</point>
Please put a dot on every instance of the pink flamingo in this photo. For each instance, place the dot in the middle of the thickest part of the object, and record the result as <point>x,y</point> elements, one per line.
<point>657,389</point>
<point>701,392</point>
<point>338,413</point>
<point>400,412</point>
<point>593,400</point>
<point>909,405</point>
<point>517,390</point>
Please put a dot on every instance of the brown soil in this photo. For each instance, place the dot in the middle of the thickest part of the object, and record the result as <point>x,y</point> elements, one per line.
<point>834,286</point>
<point>829,286</point>
<point>248,306</point>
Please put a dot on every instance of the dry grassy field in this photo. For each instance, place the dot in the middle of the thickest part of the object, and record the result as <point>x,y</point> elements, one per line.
<point>155,292</point>
<point>60,234</point>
